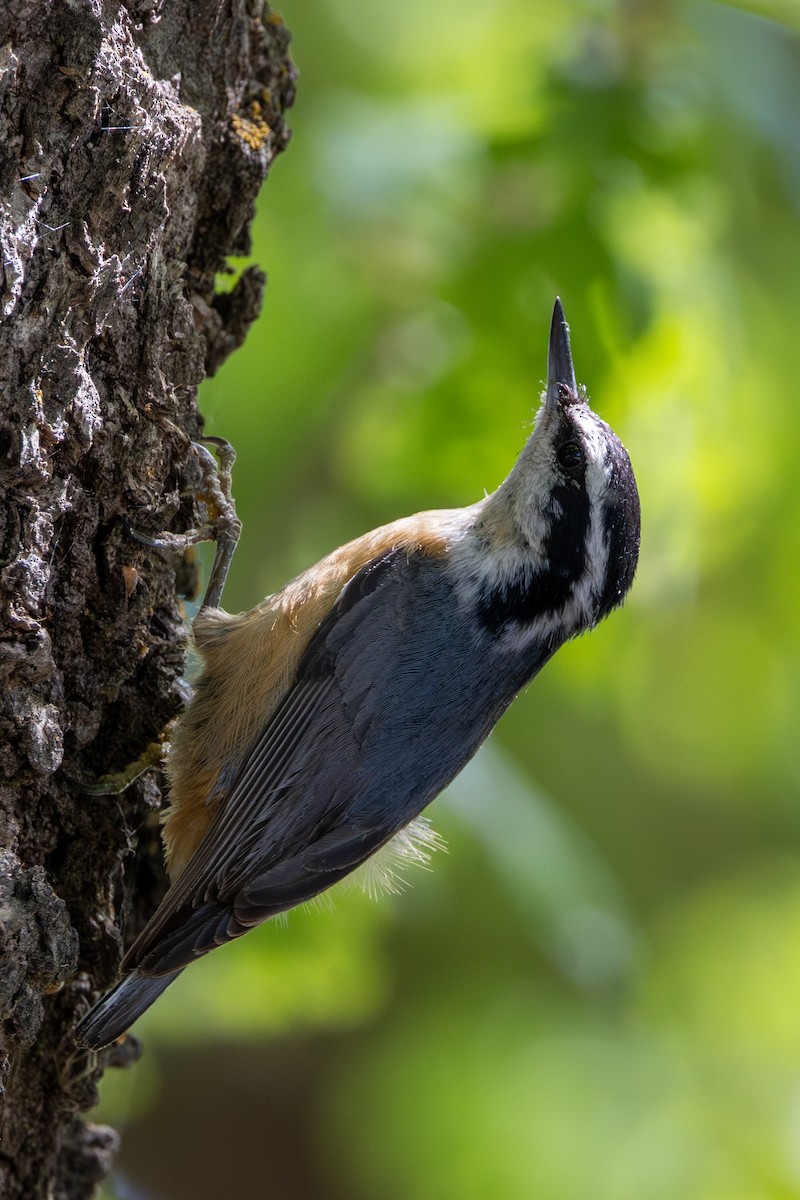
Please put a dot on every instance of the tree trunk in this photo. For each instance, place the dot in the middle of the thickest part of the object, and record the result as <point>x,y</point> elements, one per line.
<point>133,140</point>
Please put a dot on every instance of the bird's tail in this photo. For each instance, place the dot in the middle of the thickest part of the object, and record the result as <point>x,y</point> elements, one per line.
<point>112,1015</point>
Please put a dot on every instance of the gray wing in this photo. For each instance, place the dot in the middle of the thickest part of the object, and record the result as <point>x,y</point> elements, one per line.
<point>394,693</point>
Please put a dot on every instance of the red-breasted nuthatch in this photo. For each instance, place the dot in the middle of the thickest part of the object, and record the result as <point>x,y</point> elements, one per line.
<point>329,716</point>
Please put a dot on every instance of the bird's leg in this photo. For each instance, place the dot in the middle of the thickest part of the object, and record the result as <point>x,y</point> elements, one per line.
<point>222,525</point>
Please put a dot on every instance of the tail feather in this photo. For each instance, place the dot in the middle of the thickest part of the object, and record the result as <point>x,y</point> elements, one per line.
<point>112,1015</point>
<point>155,968</point>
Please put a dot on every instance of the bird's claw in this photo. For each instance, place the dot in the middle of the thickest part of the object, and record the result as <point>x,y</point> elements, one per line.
<point>222,526</point>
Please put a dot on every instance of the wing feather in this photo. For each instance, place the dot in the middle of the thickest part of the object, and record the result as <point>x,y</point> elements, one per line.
<point>396,690</point>
<point>247,806</point>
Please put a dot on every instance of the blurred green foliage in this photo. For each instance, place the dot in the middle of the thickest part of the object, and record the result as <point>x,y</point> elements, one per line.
<point>596,992</point>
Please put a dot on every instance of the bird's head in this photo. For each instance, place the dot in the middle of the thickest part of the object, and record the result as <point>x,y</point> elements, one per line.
<point>562,531</point>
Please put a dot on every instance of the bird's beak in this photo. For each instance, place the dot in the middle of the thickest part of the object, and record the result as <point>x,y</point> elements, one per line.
<point>560,371</point>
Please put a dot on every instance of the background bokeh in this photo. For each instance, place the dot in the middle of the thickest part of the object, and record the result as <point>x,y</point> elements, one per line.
<point>596,991</point>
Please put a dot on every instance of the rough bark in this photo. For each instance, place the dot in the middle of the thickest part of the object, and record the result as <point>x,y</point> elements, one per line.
<point>133,140</point>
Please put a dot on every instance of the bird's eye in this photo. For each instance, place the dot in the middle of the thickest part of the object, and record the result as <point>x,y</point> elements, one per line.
<point>570,456</point>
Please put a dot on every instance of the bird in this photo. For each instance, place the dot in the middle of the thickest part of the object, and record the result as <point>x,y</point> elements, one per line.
<point>327,718</point>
